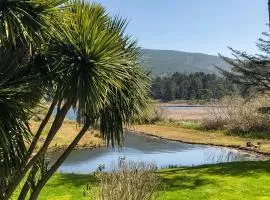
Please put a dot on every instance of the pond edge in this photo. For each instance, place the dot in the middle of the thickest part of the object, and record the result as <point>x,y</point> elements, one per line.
<point>237,147</point>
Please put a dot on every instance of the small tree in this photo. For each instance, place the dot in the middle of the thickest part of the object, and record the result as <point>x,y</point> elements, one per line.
<point>251,71</point>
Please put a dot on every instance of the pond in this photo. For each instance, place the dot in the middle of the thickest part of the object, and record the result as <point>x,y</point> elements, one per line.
<point>140,147</point>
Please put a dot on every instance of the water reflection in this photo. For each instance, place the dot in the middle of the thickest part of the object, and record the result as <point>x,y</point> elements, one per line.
<point>144,148</point>
<point>222,155</point>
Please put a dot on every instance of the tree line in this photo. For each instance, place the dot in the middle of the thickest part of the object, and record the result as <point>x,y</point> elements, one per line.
<point>195,86</point>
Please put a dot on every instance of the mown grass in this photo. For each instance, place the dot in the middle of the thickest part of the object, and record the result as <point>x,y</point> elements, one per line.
<point>67,187</point>
<point>230,181</point>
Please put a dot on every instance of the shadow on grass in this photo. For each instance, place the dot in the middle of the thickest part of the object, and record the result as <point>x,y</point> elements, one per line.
<point>75,180</point>
<point>183,182</point>
<point>195,177</point>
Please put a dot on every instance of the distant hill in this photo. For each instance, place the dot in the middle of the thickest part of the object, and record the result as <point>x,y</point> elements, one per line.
<point>167,61</point>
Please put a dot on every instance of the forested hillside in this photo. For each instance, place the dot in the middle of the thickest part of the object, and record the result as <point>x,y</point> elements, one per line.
<point>160,62</point>
<point>194,86</point>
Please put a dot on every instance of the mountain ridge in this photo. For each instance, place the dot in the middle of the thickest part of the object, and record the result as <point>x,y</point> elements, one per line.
<point>160,62</point>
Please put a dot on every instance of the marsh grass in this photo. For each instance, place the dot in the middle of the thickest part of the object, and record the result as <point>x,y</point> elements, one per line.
<point>154,115</point>
<point>240,116</point>
<point>264,135</point>
<point>182,124</point>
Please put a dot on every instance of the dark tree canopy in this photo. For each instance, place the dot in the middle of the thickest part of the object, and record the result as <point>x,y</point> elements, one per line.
<point>197,86</point>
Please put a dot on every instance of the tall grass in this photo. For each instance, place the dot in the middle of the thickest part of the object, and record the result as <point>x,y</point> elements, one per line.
<point>154,115</point>
<point>126,180</point>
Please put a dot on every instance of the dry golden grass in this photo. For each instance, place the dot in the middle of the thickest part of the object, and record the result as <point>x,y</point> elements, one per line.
<point>201,137</point>
<point>66,134</point>
<point>197,114</point>
<point>185,114</point>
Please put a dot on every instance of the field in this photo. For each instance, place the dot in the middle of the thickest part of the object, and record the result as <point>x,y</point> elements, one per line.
<point>197,114</point>
<point>66,134</point>
<point>231,181</point>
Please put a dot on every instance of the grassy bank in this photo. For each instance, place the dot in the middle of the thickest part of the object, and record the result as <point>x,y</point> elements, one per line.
<point>231,181</point>
<point>67,133</point>
<point>190,133</point>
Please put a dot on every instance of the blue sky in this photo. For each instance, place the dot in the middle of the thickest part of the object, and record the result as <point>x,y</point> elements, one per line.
<point>205,26</point>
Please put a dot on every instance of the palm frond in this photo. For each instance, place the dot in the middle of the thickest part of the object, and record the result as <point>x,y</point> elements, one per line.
<point>99,69</point>
<point>125,106</point>
<point>19,91</point>
<point>27,22</point>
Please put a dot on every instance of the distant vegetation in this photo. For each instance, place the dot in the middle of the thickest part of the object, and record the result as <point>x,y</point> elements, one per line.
<point>241,116</point>
<point>167,62</point>
<point>195,86</point>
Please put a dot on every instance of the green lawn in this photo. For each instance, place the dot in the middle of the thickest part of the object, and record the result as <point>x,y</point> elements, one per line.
<point>233,181</point>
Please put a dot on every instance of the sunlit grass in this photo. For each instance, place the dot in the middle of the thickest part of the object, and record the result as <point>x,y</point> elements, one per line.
<point>231,181</point>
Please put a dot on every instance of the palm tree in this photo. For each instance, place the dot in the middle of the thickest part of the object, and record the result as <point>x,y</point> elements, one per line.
<point>95,71</point>
<point>22,30</point>
<point>101,78</point>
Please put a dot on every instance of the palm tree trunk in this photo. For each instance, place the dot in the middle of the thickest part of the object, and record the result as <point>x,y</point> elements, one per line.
<point>41,127</point>
<point>60,160</point>
<point>57,123</point>
<point>28,182</point>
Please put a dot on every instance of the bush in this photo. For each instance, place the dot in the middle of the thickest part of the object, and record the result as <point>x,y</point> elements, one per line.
<point>155,115</point>
<point>239,115</point>
<point>126,181</point>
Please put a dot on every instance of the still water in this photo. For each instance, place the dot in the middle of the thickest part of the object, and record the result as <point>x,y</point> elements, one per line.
<point>145,148</point>
<point>186,107</point>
